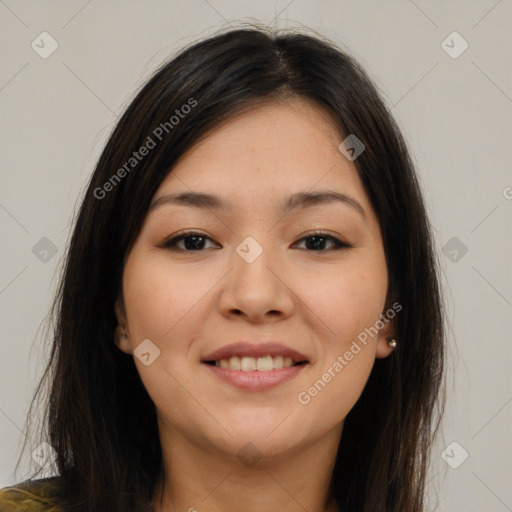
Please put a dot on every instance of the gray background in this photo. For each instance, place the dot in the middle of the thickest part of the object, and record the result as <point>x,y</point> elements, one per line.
<point>56,113</point>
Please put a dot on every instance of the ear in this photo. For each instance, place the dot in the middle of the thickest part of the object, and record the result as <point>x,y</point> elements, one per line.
<point>384,349</point>
<point>388,331</point>
<point>121,334</point>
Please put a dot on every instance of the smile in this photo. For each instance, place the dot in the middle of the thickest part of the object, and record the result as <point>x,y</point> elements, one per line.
<point>250,378</point>
<point>255,366</point>
<point>260,364</point>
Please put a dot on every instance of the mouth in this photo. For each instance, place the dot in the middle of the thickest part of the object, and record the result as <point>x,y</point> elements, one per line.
<point>255,367</point>
<point>253,379</point>
<point>261,356</point>
<point>260,364</point>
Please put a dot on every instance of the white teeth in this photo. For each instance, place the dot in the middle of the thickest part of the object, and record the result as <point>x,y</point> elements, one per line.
<point>248,364</point>
<point>278,362</point>
<point>261,364</point>
<point>234,363</point>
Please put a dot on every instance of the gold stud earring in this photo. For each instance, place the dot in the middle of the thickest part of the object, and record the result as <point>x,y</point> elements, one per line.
<point>392,342</point>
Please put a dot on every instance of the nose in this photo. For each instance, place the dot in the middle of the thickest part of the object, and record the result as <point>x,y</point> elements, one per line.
<point>257,290</point>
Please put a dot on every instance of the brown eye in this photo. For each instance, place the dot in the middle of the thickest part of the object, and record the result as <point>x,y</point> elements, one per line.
<point>192,241</point>
<point>319,240</point>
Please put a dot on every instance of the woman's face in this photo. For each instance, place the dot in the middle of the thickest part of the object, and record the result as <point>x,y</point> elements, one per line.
<point>256,281</point>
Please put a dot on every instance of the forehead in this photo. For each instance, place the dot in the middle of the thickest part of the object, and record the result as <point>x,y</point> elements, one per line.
<point>273,150</point>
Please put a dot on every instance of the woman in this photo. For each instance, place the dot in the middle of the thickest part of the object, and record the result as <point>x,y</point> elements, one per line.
<point>250,315</point>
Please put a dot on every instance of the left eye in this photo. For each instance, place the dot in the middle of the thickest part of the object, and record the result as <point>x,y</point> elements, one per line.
<point>317,241</point>
<point>194,241</point>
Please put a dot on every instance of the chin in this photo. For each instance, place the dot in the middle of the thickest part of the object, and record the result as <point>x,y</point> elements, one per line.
<point>252,447</point>
<point>273,435</point>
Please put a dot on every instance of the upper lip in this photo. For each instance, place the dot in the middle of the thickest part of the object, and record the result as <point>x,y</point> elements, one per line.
<point>247,349</point>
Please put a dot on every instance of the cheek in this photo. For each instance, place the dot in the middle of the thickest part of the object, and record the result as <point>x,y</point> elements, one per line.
<point>166,307</point>
<point>347,300</point>
<point>349,303</point>
<point>334,390</point>
<point>160,300</point>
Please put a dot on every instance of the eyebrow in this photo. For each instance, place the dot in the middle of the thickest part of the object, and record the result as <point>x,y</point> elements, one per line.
<point>294,202</point>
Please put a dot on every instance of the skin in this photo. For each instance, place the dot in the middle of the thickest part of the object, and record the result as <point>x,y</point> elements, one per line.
<point>316,301</point>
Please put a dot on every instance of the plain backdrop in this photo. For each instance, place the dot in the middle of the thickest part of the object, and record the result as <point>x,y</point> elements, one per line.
<point>451,94</point>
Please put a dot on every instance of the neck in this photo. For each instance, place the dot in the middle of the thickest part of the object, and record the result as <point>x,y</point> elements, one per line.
<point>201,477</point>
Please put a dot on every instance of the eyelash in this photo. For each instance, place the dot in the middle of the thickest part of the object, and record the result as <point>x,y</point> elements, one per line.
<point>171,242</point>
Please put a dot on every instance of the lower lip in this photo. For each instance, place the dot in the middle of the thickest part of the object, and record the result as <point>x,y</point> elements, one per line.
<point>255,380</point>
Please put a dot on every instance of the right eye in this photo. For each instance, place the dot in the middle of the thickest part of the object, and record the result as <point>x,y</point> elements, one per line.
<point>192,241</point>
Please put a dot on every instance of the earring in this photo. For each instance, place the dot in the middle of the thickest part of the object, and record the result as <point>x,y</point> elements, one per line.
<point>117,339</point>
<point>392,342</point>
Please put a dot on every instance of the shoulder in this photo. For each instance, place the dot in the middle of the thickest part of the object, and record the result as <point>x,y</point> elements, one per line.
<point>29,496</point>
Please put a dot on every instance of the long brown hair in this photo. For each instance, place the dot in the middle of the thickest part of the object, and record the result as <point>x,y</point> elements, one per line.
<point>99,417</point>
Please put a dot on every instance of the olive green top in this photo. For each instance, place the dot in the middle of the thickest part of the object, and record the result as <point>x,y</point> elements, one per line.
<point>32,496</point>
<point>29,496</point>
